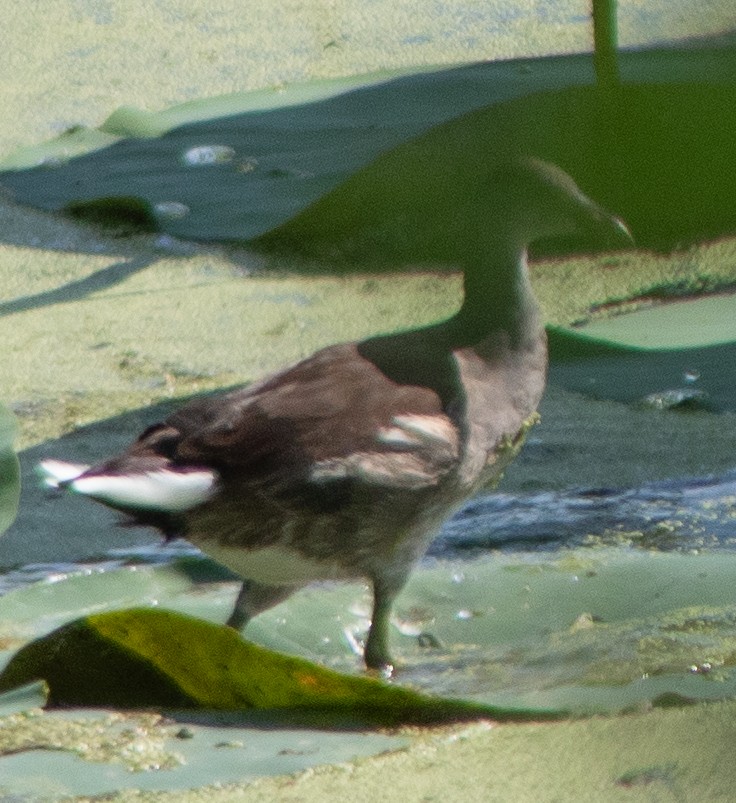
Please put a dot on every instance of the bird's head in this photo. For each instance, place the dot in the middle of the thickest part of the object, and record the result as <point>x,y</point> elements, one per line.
<point>536,200</point>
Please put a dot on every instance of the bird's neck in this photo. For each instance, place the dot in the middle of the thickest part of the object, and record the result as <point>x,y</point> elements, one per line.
<point>498,298</point>
<point>499,314</point>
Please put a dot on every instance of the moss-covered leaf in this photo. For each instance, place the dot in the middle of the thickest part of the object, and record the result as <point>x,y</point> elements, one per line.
<point>151,658</point>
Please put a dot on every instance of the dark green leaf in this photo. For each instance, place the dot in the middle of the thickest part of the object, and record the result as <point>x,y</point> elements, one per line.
<point>150,658</point>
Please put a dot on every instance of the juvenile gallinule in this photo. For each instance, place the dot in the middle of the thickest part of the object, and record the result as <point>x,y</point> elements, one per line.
<point>346,464</point>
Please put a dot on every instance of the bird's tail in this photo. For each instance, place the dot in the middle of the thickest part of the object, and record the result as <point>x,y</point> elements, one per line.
<point>59,473</point>
<point>167,490</point>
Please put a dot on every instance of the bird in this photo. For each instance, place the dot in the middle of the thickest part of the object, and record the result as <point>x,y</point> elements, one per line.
<point>344,465</point>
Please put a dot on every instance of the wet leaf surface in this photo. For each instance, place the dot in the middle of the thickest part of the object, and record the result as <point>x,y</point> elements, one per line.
<point>679,355</point>
<point>587,629</point>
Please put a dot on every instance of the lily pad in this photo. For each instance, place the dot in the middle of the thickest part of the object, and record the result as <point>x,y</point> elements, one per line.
<point>627,625</point>
<point>9,471</point>
<point>690,323</point>
<point>322,168</point>
<point>149,658</point>
<point>53,755</point>
<point>677,354</point>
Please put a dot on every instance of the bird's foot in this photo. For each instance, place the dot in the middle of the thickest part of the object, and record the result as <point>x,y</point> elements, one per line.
<point>385,671</point>
<point>379,662</point>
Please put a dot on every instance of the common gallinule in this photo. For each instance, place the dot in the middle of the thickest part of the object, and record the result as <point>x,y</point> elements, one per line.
<point>346,464</point>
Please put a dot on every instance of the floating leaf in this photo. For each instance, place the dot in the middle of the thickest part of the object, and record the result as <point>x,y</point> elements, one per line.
<point>671,356</point>
<point>150,658</point>
<point>324,167</point>
<point>9,471</point>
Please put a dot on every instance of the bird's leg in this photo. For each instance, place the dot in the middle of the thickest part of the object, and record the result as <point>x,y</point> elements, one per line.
<point>254,598</point>
<point>376,653</point>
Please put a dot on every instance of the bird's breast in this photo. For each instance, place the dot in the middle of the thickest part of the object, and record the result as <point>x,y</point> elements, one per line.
<point>502,389</point>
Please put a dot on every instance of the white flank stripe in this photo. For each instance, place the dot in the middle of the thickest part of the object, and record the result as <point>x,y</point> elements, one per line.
<point>430,428</point>
<point>394,470</point>
<point>55,472</point>
<point>419,431</point>
<point>167,491</point>
<point>395,436</point>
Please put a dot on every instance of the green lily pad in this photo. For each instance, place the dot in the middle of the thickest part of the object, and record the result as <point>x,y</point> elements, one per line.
<point>691,323</point>
<point>55,755</point>
<point>150,658</point>
<point>131,122</point>
<point>627,626</point>
<point>678,354</point>
<point>9,471</point>
<point>325,170</point>
<point>286,148</point>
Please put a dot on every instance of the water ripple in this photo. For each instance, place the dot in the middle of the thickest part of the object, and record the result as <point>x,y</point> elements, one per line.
<point>688,513</point>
